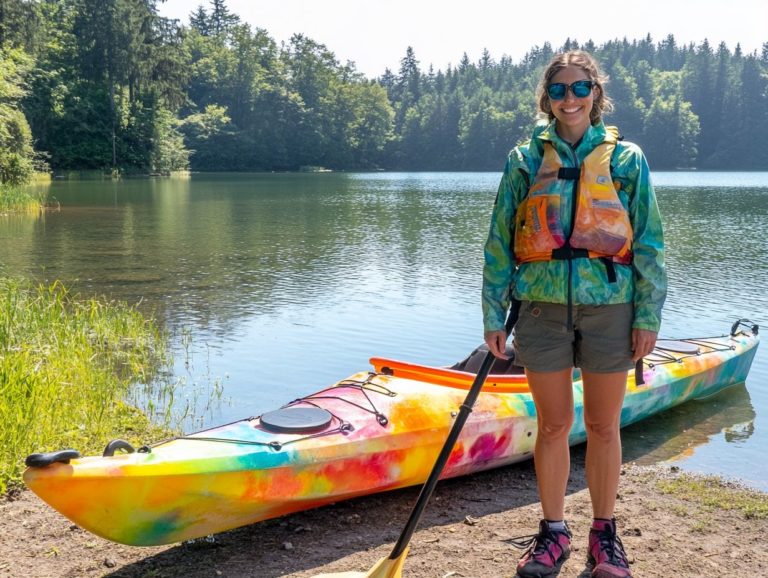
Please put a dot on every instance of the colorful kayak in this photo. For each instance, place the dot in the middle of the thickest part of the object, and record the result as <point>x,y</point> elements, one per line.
<point>372,432</point>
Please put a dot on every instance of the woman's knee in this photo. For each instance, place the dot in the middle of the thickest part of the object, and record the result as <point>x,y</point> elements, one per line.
<point>602,431</point>
<point>553,429</point>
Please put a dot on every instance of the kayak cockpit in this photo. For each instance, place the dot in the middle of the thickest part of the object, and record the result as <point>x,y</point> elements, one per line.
<point>460,375</point>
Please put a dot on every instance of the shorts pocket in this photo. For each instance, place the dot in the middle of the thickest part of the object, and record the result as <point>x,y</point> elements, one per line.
<point>524,316</point>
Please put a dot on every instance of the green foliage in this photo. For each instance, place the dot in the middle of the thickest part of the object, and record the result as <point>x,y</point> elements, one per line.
<point>79,133</point>
<point>110,72</point>
<point>221,20</point>
<point>65,366</point>
<point>209,136</point>
<point>167,152</point>
<point>16,152</point>
<point>673,123</point>
<point>19,24</point>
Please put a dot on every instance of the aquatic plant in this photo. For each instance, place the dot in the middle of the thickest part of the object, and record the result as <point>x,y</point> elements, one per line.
<point>66,366</point>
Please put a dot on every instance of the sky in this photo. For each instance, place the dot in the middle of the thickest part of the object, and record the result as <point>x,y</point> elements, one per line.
<point>374,34</point>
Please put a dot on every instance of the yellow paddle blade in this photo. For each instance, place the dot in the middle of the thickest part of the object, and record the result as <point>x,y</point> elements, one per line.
<point>384,568</point>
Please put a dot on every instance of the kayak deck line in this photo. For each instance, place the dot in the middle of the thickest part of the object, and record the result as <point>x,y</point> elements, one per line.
<point>665,354</point>
<point>344,427</point>
<point>398,421</point>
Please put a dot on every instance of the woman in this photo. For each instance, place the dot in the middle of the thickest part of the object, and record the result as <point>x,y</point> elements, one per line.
<point>575,236</point>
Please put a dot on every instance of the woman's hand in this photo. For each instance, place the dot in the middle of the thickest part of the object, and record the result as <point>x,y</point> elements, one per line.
<point>643,342</point>
<point>497,343</point>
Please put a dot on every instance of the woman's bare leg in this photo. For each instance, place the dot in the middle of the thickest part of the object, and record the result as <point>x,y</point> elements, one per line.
<point>603,398</point>
<point>553,394</point>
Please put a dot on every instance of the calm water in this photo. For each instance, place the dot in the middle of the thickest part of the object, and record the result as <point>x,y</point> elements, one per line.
<point>286,283</point>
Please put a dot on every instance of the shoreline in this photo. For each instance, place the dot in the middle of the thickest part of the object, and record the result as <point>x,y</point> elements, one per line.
<point>464,533</point>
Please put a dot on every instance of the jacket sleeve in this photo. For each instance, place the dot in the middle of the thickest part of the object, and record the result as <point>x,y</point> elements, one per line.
<point>499,269</point>
<point>648,242</point>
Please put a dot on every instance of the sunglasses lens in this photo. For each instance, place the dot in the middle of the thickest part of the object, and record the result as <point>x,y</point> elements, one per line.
<point>581,88</point>
<point>557,91</point>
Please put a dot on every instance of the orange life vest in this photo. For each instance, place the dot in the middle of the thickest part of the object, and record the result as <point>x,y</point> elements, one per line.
<point>601,227</point>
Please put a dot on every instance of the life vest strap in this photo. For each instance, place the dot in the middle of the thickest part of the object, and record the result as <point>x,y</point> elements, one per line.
<point>569,173</point>
<point>610,269</point>
<point>567,252</point>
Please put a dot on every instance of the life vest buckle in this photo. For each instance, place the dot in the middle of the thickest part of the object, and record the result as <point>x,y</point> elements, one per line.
<point>567,252</point>
<point>569,173</point>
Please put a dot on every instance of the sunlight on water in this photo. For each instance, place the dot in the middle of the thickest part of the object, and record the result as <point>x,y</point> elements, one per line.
<point>287,283</point>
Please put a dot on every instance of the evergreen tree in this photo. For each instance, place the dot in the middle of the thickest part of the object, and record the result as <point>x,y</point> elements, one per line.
<point>747,121</point>
<point>699,88</point>
<point>221,20</point>
<point>200,21</point>
<point>19,25</point>
<point>629,111</point>
<point>667,57</point>
<point>671,127</point>
<point>407,89</point>
<point>645,51</point>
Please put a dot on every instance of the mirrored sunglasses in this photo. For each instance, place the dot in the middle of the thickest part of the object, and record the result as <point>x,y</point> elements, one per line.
<point>580,89</point>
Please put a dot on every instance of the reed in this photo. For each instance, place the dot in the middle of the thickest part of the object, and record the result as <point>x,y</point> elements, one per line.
<point>66,365</point>
<point>20,199</point>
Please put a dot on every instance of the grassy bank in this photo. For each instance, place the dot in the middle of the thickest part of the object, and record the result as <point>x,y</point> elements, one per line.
<point>66,364</point>
<point>22,199</point>
<point>712,494</point>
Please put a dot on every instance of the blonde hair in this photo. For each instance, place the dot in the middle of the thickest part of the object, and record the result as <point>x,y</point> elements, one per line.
<point>589,65</point>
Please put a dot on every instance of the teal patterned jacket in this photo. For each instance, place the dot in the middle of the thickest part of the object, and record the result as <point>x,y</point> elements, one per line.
<point>643,283</point>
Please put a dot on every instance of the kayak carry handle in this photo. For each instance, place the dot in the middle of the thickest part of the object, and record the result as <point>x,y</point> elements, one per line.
<point>46,459</point>
<point>746,323</point>
<point>639,377</point>
<point>115,445</point>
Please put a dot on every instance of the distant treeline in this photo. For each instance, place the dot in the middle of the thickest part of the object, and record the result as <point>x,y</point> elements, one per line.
<point>110,85</point>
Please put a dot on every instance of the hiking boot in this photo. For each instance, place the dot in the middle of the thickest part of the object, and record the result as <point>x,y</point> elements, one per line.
<point>546,552</point>
<point>606,552</point>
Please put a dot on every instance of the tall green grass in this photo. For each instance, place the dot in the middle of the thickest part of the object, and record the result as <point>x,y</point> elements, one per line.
<point>66,365</point>
<point>20,199</point>
<point>183,401</point>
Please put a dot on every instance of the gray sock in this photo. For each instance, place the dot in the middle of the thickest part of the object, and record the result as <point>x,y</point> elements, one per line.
<point>556,525</point>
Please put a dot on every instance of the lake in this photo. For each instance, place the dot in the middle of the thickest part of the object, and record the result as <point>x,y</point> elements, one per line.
<point>277,285</point>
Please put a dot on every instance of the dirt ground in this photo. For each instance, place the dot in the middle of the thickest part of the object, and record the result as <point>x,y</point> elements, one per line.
<point>464,534</point>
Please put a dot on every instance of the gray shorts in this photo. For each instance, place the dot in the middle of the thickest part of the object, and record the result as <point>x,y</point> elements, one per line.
<point>600,340</point>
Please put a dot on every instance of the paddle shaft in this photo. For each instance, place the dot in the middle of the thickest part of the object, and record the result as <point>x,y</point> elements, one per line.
<point>453,435</point>
<point>442,459</point>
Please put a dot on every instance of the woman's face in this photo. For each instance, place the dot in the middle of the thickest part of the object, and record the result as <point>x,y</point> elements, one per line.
<point>572,113</point>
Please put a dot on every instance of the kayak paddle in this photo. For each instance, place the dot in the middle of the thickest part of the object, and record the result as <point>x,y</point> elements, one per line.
<point>392,566</point>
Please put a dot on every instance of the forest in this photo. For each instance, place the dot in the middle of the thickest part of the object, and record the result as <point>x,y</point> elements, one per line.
<point>109,85</point>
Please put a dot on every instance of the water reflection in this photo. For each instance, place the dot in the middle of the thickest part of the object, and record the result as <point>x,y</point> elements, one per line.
<point>675,434</point>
